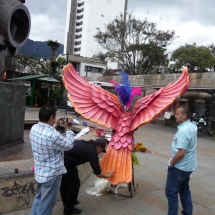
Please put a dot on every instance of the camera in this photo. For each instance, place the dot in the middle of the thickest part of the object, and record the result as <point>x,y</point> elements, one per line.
<point>66,120</point>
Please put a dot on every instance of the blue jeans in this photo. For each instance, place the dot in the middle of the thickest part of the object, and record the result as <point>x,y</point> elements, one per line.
<point>46,197</point>
<point>178,182</point>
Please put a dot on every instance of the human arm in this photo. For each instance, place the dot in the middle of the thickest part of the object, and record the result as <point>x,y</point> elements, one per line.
<point>178,156</point>
<point>103,175</point>
<point>64,143</point>
<point>177,99</point>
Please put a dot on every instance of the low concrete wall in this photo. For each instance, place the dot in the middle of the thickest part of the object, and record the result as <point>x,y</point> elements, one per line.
<point>17,191</point>
<point>12,113</point>
<point>161,80</point>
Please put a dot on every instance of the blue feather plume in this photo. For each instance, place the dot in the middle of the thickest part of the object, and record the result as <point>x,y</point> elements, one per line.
<point>124,91</point>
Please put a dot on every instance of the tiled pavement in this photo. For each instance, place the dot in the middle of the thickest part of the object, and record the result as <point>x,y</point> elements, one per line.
<point>21,151</point>
<point>150,197</point>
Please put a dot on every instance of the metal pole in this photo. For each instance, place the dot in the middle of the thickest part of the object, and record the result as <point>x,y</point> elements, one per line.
<point>211,111</point>
<point>32,94</point>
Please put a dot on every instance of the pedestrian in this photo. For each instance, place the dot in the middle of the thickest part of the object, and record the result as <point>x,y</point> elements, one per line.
<point>182,162</point>
<point>48,148</point>
<point>82,152</point>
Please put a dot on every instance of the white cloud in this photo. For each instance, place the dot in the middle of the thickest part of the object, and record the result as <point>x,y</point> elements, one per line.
<point>193,20</point>
<point>43,28</point>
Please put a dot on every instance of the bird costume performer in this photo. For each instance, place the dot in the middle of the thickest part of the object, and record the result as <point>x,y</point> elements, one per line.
<point>99,106</point>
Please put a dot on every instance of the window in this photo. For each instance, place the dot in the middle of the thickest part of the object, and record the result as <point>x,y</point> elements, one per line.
<point>80,10</point>
<point>78,36</point>
<point>77,49</point>
<point>79,23</point>
<point>79,30</point>
<point>80,4</point>
<point>78,43</point>
<point>80,17</point>
<point>87,68</point>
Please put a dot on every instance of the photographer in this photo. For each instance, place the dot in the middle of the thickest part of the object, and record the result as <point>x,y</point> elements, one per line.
<point>82,152</point>
<point>48,148</point>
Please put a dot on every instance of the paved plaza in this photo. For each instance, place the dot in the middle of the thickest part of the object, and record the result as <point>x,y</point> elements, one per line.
<point>149,198</point>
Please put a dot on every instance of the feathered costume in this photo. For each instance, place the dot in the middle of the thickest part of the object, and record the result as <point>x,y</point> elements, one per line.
<point>104,108</point>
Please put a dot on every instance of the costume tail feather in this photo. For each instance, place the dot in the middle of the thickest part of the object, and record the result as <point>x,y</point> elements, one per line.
<point>119,161</point>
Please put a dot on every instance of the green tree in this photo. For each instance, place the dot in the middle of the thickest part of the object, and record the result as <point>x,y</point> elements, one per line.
<point>193,56</point>
<point>135,44</point>
<point>35,66</point>
<point>54,46</point>
<point>30,65</point>
<point>211,47</point>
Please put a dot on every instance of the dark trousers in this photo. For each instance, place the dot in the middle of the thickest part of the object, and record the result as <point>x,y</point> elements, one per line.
<point>70,188</point>
<point>178,182</point>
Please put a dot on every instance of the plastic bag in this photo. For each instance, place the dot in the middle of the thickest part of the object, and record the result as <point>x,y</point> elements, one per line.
<point>101,186</point>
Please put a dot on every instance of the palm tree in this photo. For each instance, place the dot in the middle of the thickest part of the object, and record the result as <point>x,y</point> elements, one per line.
<point>54,46</point>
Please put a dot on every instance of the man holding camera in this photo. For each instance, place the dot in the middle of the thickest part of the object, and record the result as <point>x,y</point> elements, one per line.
<point>48,148</point>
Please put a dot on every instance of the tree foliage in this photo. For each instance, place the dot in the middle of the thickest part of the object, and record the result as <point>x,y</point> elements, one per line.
<point>193,57</point>
<point>135,44</point>
<point>54,46</point>
<point>36,66</point>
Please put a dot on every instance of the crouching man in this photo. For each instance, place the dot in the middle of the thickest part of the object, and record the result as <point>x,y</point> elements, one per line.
<point>82,152</point>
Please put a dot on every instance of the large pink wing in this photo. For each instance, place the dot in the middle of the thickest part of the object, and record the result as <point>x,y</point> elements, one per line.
<point>152,106</point>
<point>92,102</point>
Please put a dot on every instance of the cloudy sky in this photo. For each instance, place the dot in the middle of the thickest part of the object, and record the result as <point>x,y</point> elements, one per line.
<point>192,20</point>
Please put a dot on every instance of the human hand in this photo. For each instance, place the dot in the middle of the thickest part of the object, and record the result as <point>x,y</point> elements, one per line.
<point>177,98</point>
<point>110,174</point>
<point>70,119</point>
<point>58,121</point>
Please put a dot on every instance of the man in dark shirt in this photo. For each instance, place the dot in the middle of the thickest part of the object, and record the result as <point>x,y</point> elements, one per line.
<point>82,152</point>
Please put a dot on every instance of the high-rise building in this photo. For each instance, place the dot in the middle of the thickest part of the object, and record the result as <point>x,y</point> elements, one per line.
<point>83,18</point>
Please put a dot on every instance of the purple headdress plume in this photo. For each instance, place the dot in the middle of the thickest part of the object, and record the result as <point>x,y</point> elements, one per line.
<point>125,93</point>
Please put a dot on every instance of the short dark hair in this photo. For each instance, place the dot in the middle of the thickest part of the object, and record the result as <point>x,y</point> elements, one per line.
<point>185,110</point>
<point>46,111</point>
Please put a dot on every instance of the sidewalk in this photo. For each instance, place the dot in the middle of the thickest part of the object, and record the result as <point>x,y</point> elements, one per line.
<point>150,197</point>
<point>23,151</point>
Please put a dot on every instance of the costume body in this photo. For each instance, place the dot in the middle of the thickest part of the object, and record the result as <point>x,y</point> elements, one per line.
<point>48,147</point>
<point>82,152</point>
<point>99,106</point>
<point>178,177</point>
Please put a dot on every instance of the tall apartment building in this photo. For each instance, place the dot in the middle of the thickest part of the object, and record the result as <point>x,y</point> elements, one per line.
<point>83,17</point>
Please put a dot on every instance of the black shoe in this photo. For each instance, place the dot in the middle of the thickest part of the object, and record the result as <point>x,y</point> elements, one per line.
<point>75,211</point>
<point>77,202</point>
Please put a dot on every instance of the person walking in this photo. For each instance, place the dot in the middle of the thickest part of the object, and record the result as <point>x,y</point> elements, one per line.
<point>182,162</point>
<point>48,148</point>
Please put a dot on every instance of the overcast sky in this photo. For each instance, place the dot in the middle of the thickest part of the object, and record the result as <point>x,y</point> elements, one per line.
<point>192,20</point>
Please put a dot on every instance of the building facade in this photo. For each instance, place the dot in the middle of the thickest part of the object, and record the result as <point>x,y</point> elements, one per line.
<point>83,19</point>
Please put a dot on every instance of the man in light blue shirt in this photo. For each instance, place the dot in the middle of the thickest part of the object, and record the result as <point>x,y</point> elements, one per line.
<point>182,162</point>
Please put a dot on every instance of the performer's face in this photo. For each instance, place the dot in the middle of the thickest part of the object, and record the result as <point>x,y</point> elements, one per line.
<point>179,116</point>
